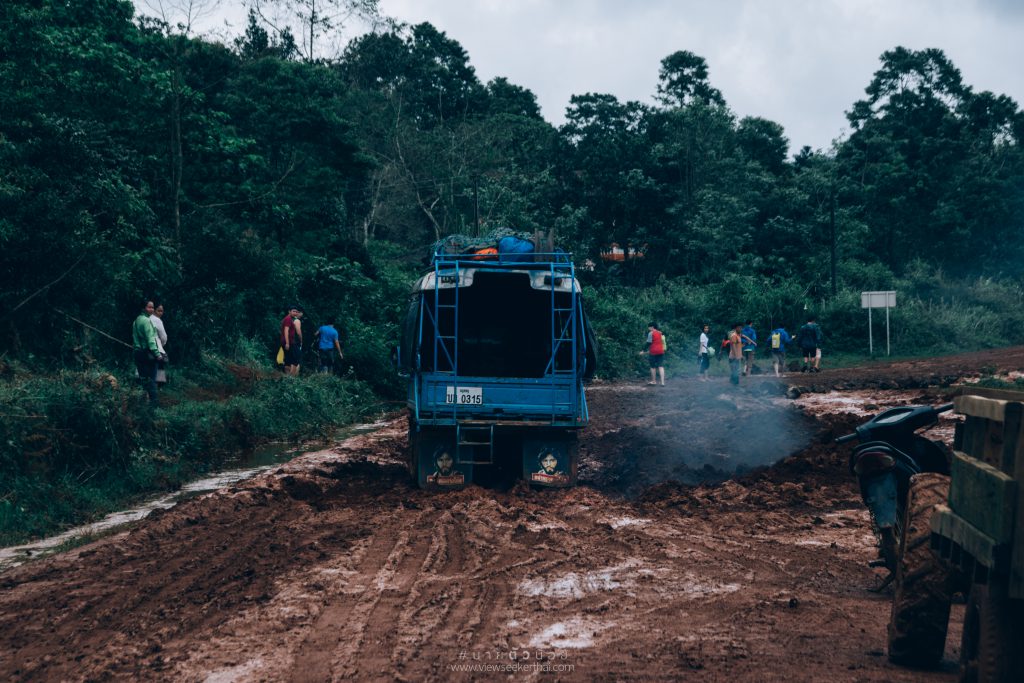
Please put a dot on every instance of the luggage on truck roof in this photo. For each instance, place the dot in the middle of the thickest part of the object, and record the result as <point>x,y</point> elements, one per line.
<point>503,245</point>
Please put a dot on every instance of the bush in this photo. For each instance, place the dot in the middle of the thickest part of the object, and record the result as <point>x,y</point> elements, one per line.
<point>79,444</point>
<point>933,315</point>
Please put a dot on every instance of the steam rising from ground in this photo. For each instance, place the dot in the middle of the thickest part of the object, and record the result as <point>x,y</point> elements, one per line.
<point>693,433</point>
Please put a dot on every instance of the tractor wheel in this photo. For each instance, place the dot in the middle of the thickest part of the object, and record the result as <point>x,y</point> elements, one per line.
<point>920,606</point>
<point>992,653</point>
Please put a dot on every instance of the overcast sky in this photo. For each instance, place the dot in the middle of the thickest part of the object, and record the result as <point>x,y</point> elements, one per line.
<point>801,63</point>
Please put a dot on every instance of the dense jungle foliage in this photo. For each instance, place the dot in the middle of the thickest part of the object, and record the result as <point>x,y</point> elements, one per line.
<point>229,180</point>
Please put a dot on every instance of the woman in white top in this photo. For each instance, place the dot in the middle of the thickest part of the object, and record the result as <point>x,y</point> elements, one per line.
<point>161,342</point>
<point>703,354</point>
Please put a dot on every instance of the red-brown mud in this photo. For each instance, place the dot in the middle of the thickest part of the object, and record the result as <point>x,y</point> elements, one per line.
<point>333,568</point>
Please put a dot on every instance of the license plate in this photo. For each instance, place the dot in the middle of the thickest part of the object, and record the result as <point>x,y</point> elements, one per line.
<point>464,396</point>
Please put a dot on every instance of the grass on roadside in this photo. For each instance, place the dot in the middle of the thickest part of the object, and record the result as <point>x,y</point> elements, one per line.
<point>77,445</point>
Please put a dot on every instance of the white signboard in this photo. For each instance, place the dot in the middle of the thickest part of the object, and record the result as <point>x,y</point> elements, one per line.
<point>878,299</point>
<point>884,300</point>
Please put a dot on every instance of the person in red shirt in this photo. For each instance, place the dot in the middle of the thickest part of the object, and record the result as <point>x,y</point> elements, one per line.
<point>655,351</point>
<point>291,340</point>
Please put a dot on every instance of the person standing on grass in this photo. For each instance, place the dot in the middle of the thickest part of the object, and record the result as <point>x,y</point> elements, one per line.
<point>735,352</point>
<point>146,351</point>
<point>291,340</point>
<point>161,338</point>
<point>809,338</point>
<point>327,344</point>
<point>749,346</point>
<point>779,338</point>
<point>704,353</point>
<point>655,350</point>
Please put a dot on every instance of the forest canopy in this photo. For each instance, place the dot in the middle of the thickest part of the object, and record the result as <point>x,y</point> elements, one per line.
<point>231,179</point>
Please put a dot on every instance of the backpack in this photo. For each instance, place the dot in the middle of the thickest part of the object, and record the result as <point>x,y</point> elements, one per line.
<point>776,340</point>
<point>808,336</point>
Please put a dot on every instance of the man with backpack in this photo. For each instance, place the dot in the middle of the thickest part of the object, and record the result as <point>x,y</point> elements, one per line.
<point>779,338</point>
<point>809,338</point>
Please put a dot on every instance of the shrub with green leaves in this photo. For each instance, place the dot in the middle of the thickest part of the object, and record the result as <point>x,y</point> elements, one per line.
<point>78,444</point>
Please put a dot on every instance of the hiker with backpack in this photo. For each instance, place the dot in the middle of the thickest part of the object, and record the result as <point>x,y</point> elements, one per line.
<point>779,338</point>
<point>809,338</point>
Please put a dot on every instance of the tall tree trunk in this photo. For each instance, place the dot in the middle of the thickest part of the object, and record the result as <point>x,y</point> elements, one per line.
<point>176,155</point>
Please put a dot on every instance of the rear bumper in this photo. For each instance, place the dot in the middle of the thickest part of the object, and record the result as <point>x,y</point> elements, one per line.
<point>521,402</point>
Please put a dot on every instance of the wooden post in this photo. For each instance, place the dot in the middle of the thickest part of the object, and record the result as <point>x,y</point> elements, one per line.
<point>1013,460</point>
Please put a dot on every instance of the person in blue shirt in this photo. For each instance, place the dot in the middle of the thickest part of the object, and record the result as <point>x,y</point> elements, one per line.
<point>779,338</point>
<point>327,344</point>
<point>749,337</point>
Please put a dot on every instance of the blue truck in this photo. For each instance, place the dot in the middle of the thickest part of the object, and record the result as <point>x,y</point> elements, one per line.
<point>496,347</point>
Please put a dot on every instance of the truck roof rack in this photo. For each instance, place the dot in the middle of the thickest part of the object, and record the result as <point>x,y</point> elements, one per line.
<point>502,248</point>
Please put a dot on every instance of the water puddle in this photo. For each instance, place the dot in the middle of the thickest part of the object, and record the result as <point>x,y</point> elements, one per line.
<point>574,585</point>
<point>571,634</point>
<point>244,467</point>
<point>620,522</point>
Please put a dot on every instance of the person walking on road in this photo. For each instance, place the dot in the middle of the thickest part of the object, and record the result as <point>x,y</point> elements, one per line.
<point>809,338</point>
<point>779,338</point>
<point>327,344</point>
<point>291,340</point>
<point>735,352</point>
<point>146,351</point>
<point>655,350</point>
<point>749,346</point>
<point>704,351</point>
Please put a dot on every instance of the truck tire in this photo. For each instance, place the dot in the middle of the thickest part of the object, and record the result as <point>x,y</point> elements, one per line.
<point>412,464</point>
<point>991,643</point>
<point>920,605</point>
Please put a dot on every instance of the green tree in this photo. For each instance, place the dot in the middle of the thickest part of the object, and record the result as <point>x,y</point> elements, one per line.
<point>683,80</point>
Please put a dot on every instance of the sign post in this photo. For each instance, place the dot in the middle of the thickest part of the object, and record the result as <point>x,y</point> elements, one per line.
<point>884,300</point>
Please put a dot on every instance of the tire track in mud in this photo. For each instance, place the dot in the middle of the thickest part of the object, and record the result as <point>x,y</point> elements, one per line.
<point>363,618</point>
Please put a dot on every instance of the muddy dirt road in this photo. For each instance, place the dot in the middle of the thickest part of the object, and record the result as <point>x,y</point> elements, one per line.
<point>333,568</point>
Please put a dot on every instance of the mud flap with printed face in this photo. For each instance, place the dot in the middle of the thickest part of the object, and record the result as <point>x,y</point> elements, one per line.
<point>436,465</point>
<point>550,462</point>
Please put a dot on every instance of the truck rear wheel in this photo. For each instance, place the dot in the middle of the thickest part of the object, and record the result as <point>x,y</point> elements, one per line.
<point>990,650</point>
<point>920,606</point>
<point>413,453</point>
